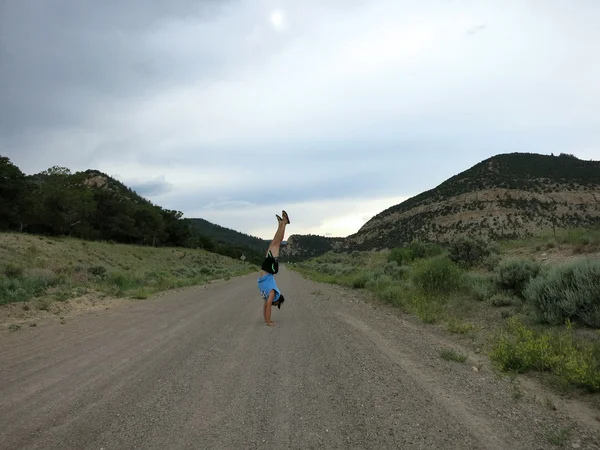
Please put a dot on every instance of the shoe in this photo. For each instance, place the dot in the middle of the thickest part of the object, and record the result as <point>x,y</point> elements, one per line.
<point>279,219</point>
<point>285,216</point>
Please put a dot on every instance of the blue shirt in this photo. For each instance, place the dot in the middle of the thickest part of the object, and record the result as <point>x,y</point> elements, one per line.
<point>266,284</point>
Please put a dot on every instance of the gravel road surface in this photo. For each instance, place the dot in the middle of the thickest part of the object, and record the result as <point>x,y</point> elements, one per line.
<point>198,369</point>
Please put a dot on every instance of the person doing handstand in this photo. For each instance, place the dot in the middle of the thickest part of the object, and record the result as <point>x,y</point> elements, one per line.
<point>266,281</point>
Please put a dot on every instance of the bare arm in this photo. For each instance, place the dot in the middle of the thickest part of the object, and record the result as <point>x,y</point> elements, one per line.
<point>267,308</point>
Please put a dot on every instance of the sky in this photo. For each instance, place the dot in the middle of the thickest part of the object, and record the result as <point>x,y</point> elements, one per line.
<point>232,110</point>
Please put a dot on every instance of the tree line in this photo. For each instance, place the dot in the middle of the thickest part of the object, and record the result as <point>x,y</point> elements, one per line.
<point>94,206</point>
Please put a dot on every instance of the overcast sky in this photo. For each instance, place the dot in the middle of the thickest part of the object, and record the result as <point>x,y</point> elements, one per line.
<point>232,110</point>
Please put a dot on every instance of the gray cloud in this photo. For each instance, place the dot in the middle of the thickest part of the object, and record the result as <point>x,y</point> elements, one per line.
<point>151,188</point>
<point>63,63</point>
<point>207,106</point>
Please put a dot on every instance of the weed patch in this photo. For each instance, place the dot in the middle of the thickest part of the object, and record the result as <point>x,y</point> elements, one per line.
<point>426,308</point>
<point>574,363</point>
<point>456,326</point>
<point>558,438</point>
<point>503,299</point>
<point>452,355</point>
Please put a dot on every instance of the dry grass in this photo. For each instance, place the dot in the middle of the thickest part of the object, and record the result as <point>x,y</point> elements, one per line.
<point>37,271</point>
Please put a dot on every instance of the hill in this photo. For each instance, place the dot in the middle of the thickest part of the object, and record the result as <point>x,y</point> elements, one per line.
<point>92,205</point>
<point>301,247</point>
<point>253,248</point>
<point>47,275</point>
<point>227,235</point>
<point>506,196</point>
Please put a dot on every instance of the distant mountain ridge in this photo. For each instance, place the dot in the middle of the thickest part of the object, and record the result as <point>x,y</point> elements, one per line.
<point>252,247</point>
<point>303,246</point>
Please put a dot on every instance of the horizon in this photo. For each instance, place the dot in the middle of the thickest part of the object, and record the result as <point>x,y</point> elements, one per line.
<point>233,110</point>
<point>268,237</point>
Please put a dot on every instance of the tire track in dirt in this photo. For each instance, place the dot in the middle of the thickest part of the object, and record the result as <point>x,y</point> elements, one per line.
<point>453,405</point>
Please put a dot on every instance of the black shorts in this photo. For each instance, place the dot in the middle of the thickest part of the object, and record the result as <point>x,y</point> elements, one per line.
<point>270,264</point>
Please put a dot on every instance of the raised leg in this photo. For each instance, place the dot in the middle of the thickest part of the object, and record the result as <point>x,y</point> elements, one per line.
<point>277,239</point>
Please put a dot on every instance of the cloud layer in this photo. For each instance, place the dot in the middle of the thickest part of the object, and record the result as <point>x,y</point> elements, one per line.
<point>232,110</point>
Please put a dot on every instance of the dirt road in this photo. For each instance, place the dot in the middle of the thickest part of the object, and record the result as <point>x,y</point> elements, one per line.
<point>199,369</point>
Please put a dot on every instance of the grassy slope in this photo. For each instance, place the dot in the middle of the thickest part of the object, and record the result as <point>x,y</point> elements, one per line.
<point>488,318</point>
<point>40,270</point>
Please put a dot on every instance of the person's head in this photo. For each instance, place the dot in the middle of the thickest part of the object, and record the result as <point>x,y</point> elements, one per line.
<point>279,301</point>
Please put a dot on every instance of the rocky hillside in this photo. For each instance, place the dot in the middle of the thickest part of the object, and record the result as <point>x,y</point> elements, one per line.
<point>505,196</point>
<point>300,247</point>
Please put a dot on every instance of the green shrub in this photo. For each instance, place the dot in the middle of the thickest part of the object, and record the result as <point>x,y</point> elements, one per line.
<point>513,275</point>
<point>64,293</point>
<point>44,278</point>
<point>121,283</point>
<point>379,283</point>
<point>437,276</point>
<point>481,286</point>
<point>33,283</point>
<point>395,271</point>
<point>491,261</point>
<point>416,250</point>
<point>400,256</point>
<point>394,295</point>
<point>569,291</point>
<point>13,271</point>
<point>141,294</point>
<point>14,290</point>
<point>420,250</point>
<point>469,252</point>
<point>360,280</point>
<point>503,299</point>
<point>98,271</point>
<point>427,310</point>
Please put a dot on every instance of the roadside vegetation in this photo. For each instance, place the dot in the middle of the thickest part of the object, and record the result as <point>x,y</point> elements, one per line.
<point>37,271</point>
<point>533,304</point>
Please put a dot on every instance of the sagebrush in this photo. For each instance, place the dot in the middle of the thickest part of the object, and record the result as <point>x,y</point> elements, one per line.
<point>568,291</point>
<point>513,275</point>
<point>469,252</point>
